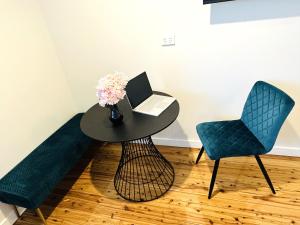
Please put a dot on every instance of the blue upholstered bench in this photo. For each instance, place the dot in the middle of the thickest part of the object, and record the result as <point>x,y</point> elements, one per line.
<point>30,182</point>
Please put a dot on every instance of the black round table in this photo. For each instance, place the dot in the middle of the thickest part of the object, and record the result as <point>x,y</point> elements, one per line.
<point>143,173</point>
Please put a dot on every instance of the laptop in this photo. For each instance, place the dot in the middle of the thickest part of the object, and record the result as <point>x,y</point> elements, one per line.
<point>142,99</point>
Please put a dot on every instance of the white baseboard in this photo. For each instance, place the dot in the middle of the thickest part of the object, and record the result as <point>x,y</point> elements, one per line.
<point>287,151</point>
<point>12,217</point>
<point>277,150</point>
<point>177,142</point>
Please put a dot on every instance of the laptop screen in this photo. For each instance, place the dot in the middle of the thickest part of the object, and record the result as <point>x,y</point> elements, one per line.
<point>138,90</point>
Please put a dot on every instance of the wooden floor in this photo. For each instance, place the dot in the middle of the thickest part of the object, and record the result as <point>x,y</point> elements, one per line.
<point>241,196</point>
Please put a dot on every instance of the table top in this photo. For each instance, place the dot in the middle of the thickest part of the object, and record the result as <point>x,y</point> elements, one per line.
<point>95,122</point>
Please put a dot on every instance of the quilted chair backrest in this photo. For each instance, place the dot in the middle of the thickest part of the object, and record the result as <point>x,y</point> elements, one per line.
<point>264,112</point>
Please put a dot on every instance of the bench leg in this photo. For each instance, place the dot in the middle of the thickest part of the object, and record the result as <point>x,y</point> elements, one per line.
<point>16,210</point>
<point>40,214</point>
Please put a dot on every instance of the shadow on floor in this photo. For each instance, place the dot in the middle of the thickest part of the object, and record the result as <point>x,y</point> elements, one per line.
<point>243,173</point>
<point>106,162</point>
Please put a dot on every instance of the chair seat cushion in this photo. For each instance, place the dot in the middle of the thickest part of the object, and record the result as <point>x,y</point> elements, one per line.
<point>228,138</point>
<point>32,180</point>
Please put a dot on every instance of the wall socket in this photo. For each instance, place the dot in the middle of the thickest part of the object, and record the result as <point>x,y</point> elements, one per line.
<point>168,40</point>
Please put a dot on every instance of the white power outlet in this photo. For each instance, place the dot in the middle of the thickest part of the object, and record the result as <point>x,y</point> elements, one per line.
<point>168,40</point>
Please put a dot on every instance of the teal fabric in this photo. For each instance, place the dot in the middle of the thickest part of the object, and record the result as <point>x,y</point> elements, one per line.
<point>33,179</point>
<point>255,133</point>
<point>265,110</point>
<point>228,138</point>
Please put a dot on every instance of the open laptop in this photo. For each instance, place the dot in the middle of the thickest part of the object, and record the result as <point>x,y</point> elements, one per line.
<point>142,99</point>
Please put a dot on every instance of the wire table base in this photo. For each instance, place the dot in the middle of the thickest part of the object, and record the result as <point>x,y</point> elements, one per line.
<point>143,173</point>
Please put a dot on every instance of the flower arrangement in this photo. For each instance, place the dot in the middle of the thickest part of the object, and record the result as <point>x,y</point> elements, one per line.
<point>111,89</point>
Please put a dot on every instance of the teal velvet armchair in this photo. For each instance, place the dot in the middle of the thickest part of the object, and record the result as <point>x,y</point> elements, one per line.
<point>254,133</point>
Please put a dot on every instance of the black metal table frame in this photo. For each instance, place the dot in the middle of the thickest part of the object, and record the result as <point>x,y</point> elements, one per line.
<point>143,173</point>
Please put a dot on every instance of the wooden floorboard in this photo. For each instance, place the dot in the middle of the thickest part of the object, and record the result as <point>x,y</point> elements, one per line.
<point>241,195</point>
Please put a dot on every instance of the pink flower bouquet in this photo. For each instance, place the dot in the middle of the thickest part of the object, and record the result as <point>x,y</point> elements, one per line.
<point>111,89</point>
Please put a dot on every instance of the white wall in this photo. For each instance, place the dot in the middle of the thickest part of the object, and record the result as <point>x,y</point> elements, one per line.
<point>34,96</point>
<point>221,50</point>
<point>217,58</point>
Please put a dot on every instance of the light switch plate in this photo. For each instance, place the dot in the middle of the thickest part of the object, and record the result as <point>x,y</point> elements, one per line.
<point>168,40</point>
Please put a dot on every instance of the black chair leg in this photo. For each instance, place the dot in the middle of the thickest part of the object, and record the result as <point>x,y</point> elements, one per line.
<point>200,154</point>
<point>263,170</point>
<point>213,178</point>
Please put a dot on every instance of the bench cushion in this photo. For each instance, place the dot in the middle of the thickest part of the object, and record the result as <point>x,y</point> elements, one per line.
<point>30,182</point>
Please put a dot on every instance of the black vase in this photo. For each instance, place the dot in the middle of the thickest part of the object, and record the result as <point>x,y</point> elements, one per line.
<point>115,116</point>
